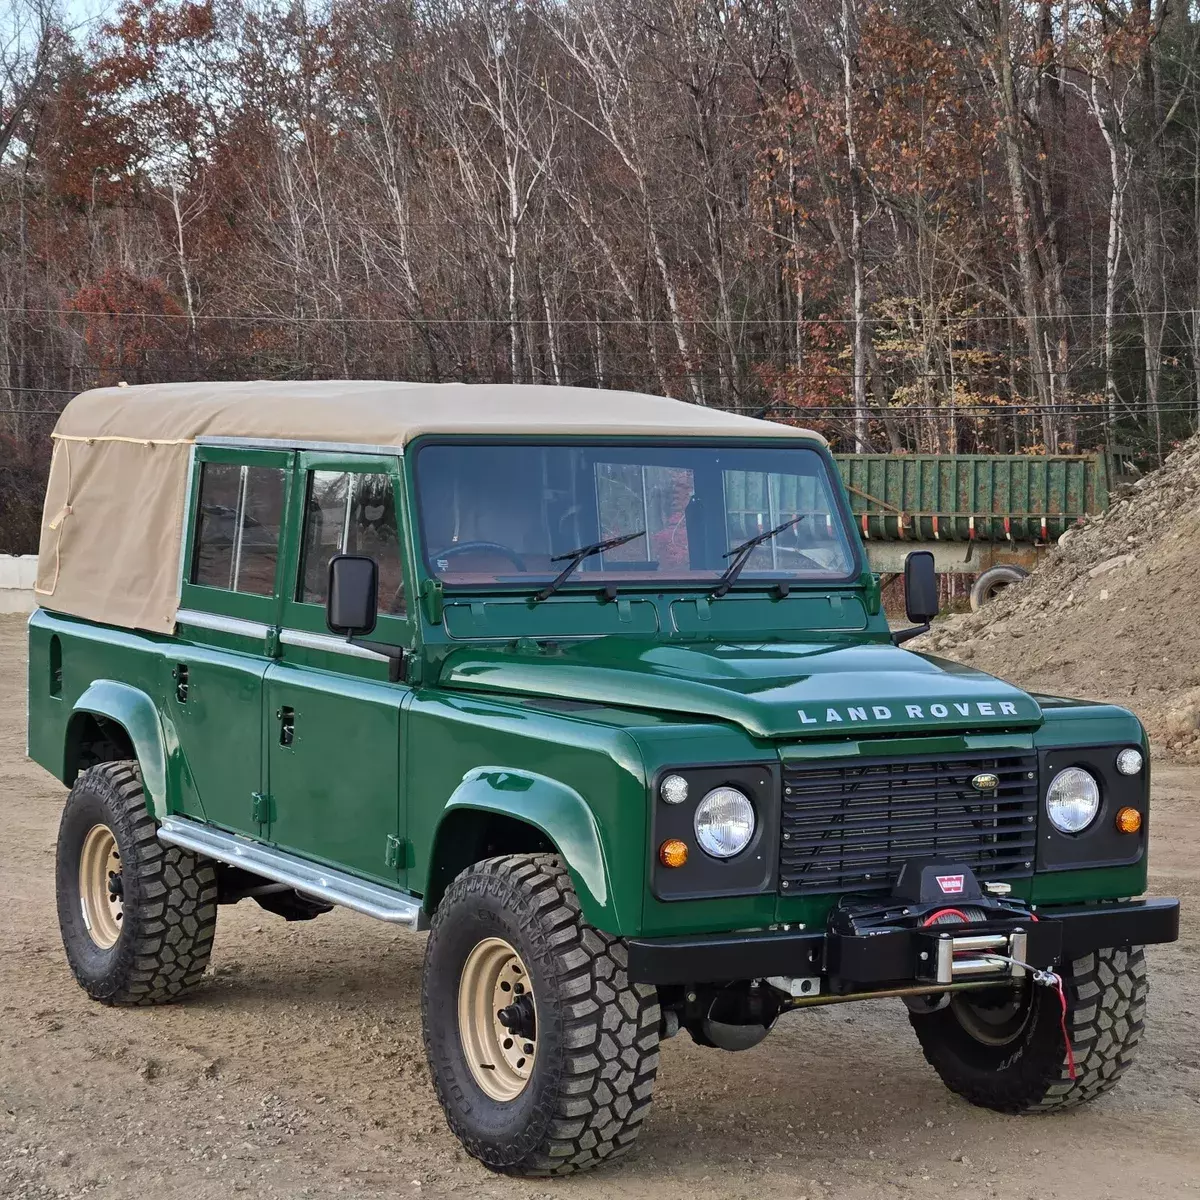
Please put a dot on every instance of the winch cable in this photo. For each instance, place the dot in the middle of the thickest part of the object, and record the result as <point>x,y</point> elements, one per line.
<point>934,918</point>
<point>1043,978</point>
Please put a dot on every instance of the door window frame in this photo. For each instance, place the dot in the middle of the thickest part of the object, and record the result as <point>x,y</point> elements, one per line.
<point>221,601</point>
<point>308,616</point>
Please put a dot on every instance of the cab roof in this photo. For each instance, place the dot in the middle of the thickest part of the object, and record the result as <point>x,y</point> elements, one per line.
<point>114,516</point>
<point>386,413</point>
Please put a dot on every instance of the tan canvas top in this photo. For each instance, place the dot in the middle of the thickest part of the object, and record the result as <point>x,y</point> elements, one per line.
<point>383,413</point>
<point>113,521</point>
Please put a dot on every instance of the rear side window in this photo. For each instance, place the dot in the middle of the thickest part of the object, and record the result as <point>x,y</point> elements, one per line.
<point>237,528</point>
<point>351,513</point>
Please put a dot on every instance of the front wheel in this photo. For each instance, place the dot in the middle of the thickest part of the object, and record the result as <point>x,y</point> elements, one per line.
<point>1004,1049</point>
<point>543,1054</point>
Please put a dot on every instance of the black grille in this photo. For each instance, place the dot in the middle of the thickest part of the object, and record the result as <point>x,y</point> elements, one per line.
<point>850,827</point>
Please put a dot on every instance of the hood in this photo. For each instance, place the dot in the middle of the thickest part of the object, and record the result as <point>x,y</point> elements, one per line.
<point>773,690</point>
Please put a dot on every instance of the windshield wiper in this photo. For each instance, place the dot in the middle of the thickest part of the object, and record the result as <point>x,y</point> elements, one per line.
<point>741,555</point>
<point>577,556</point>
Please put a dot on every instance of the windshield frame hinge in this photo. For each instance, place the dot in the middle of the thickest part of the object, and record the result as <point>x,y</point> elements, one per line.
<point>433,600</point>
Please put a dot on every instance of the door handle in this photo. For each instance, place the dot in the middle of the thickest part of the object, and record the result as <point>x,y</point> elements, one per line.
<point>287,725</point>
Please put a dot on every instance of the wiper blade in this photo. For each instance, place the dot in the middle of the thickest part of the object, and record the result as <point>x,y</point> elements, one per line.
<point>577,556</point>
<point>741,555</point>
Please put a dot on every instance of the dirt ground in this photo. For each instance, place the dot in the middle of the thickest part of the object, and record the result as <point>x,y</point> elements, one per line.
<point>297,1069</point>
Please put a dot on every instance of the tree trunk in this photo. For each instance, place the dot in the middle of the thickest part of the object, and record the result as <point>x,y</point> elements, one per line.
<point>1010,126</point>
<point>856,235</point>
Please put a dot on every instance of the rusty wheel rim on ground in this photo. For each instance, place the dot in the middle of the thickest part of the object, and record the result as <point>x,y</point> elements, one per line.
<point>497,1019</point>
<point>100,886</point>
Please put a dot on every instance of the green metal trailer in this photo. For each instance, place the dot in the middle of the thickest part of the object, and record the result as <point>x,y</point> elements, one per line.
<point>971,507</point>
<point>993,514</point>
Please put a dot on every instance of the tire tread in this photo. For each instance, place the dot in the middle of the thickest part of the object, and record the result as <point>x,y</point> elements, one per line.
<point>1106,1010</point>
<point>610,1028</point>
<point>176,917</point>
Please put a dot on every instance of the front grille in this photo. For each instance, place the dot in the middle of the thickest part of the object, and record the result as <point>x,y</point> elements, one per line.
<point>850,827</point>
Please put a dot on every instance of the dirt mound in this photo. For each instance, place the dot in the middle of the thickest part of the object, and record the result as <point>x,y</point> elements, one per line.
<point>1111,614</point>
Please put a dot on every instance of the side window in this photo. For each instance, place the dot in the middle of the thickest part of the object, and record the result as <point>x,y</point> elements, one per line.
<point>237,528</point>
<point>349,513</point>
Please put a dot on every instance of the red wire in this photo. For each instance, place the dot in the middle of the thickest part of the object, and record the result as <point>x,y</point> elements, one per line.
<point>1062,996</point>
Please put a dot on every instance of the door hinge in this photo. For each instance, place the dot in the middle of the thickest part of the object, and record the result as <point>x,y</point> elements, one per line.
<point>263,808</point>
<point>394,854</point>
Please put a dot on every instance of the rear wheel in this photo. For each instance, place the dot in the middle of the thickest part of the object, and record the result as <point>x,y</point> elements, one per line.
<point>1003,1049</point>
<point>137,917</point>
<point>543,1054</point>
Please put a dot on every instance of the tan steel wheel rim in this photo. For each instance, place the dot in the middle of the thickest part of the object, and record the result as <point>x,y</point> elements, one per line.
<point>100,886</point>
<point>493,984</point>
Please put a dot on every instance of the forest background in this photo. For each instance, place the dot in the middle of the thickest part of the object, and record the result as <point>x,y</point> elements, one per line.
<point>925,226</point>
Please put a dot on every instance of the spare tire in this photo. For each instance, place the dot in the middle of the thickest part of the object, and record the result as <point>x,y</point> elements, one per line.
<point>994,580</point>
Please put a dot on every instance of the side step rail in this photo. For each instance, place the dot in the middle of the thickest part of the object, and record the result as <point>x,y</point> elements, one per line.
<point>323,883</point>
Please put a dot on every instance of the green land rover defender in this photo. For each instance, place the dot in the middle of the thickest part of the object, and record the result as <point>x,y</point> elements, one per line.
<point>594,686</point>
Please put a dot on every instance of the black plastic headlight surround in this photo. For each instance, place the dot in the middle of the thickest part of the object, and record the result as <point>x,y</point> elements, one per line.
<point>751,871</point>
<point>1101,844</point>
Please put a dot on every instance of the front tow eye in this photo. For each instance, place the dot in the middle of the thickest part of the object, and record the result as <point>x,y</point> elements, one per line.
<point>518,1018</point>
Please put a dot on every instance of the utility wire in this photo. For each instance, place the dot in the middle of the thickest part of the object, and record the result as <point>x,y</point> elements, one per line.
<point>874,412</point>
<point>275,318</point>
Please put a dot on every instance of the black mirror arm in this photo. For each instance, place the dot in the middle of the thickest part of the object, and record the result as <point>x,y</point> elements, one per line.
<point>903,635</point>
<point>397,656</point>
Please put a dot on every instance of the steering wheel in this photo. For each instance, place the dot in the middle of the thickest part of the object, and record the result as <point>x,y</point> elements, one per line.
<point>466,547</point>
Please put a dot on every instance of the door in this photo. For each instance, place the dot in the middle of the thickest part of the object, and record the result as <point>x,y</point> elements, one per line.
<point>334,722</point>
<point>227,618</point>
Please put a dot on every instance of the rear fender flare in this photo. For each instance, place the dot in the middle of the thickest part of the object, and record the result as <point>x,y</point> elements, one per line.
<point>560,813</point>
<point>136,713</point>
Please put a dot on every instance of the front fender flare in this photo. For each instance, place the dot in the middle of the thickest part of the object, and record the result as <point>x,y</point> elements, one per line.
<point>136,713</point>
<point>559,812</point>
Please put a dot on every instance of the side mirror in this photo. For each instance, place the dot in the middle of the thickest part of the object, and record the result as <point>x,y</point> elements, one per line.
<point>353,597</point>
<point>920,587</point>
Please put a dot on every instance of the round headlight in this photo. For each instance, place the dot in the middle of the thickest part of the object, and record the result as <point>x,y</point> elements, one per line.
<point>673,789</point>
<point>1073,800</point>
<point>724,822</point>
<point>1129,762</point>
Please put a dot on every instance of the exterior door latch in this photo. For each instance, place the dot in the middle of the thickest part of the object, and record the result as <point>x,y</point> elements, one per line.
<point>263,808</point>
<point>180,675</point>
<point>394,854</point>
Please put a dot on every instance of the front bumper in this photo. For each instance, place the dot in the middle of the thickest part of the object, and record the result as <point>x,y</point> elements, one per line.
<point>856,962</point>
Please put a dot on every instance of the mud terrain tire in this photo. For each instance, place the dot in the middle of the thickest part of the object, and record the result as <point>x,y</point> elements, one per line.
<point>589,1083</point>
<point>151,944</point>
<point>1028,1073</point>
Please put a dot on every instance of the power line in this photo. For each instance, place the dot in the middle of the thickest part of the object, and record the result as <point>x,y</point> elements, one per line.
<point>275,318</point>
<point>874,412</point>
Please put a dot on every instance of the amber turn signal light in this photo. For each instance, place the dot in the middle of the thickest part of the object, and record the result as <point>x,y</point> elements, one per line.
<point>1129,820</point>
<point>672,853</point>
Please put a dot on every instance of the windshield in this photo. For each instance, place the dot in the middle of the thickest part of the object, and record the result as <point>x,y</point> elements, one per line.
<point>514,514</point>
